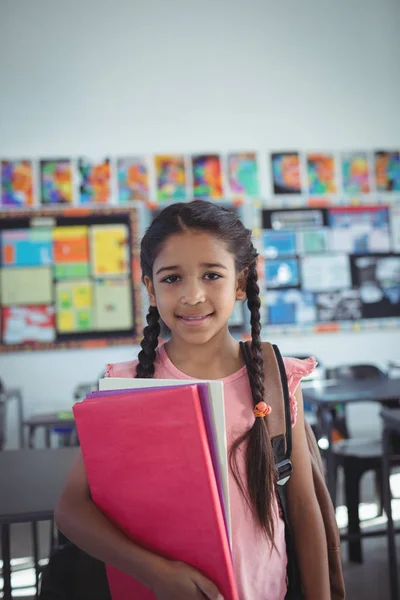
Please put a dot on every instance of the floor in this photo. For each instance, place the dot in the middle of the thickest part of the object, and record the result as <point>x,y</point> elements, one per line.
<point>368,581</point>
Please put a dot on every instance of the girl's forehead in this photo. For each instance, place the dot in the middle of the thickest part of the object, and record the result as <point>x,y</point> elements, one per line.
<point>192,245</point>
<point>196,241</point>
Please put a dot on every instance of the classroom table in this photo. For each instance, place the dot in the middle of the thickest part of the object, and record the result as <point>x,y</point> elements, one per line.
<point>48,421</point>
<point>325,395</point>
<point>31,481</point>
<point>391,424</point>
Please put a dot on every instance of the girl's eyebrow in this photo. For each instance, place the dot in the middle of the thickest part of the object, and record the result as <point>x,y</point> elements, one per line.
<point>204,265</point>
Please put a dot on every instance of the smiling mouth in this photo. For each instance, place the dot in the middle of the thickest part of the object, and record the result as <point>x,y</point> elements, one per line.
<point>194,319</point>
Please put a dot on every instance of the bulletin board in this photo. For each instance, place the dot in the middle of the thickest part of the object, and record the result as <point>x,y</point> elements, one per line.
<point>69,278</point>
<point>330,268</point>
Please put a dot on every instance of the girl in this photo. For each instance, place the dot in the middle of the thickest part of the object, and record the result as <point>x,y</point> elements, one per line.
<point>197,260</point>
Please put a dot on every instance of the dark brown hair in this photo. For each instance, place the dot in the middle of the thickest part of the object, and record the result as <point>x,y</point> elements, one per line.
<point>227,227</point>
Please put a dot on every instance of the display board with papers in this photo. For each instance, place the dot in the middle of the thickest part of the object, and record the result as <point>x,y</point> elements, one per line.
<point>330,267</point>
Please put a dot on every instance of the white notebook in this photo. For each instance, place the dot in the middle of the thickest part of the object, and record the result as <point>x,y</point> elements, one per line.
<point>216,393</point>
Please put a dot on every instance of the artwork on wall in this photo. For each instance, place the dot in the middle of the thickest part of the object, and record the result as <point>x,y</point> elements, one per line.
<point>243,174</point>
<point>387,171</point>
<point>69,278</point>
<point>321,173</point>
<point>56,181</point>
<point>207,176</point>
<point>16,183</point>
<point>286,173</point>
<point>171,178</point>
<point>94,181</point>
<point>133,180</point>
<point>355,173</point>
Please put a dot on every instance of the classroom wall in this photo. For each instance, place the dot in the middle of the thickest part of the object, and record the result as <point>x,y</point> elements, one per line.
<point>97,77</point>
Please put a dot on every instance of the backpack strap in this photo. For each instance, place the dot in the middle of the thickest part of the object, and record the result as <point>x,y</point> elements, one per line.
<point>277,396</point>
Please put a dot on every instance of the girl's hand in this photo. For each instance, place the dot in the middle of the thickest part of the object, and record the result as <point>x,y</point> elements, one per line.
<point>181,582</point>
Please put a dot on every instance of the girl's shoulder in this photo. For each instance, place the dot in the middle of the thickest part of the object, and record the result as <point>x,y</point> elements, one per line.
<point>121,369</point>
<point>296,369</point>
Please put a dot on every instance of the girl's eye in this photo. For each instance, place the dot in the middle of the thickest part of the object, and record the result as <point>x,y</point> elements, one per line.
<point>212,276</point>
<point>171,279</point>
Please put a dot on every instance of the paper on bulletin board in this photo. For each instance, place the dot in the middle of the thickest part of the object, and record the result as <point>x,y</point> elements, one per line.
<point>359,229</point>
<point>26,285</point>
<point>387,171</point>
<point>94,181</point>
<point>110,250</point>
<point>313,241</point>
<point>321,173</point>
<point>296,219</point>
<point>355,172</point>
<point>113,305</point>
<point>343,305</point>
<point>287,307</point>
<point>26,247</point>
<point>71,252</point>
<point>28,324</point>
<point>74,301</point>
<point>325,273</point>
<point>278,243</point>
<point>395,227</point>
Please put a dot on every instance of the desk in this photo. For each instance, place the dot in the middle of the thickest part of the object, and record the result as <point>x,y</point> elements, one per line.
<point>48,421</point>
<point>326,394</point>
<point>391,423</point>
<point>31,482</point>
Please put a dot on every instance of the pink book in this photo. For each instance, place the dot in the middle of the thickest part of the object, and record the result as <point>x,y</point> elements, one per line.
<point>150,471</point>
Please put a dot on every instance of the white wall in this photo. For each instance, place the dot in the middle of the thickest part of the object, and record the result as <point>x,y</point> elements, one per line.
<point>102,77</point>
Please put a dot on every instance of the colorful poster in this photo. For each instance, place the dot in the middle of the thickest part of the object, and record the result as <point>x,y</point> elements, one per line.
<point>378,282</point>
<point>243,174</point>
<point>71,252</point>
<point>28,324</point>
<point>290,307</point>
<point>113,305</point>
<point>109,250</point>
<point>56,181</point>
<point>387,171</point>
<point>94,181</point>
<point>286,173</point>
<point>16,183</point>
<point>26,247</point>
<point>133,180</point>
<point>278,243</point>
<point>359,229</point>
<point>344,305</point>
<point>170,177</point>
<point>282,273</point>
<point>207,177</point>
<point>321,173</point>
<point>74,301</point>
<point>355,173</point>
<point>26,285</point>
<point>313,241</point>
<point>325,273</point>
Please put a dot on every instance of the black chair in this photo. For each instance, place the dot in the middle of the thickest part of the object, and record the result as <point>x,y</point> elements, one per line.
<point>357,456</point>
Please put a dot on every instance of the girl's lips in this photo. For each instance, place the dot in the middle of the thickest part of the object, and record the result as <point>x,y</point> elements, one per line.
<point>194,321</point>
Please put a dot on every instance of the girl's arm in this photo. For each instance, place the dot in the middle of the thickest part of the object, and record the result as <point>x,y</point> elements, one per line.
<point>305,517</point>
<point>79,519</point>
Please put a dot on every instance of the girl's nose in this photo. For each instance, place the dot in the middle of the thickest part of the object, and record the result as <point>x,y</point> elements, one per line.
<point>193,294</point>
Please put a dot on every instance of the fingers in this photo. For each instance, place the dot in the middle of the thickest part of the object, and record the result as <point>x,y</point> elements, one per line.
<point>208,588</point>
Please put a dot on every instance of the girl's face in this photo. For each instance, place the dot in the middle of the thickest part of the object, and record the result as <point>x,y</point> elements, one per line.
<point>195,285</point>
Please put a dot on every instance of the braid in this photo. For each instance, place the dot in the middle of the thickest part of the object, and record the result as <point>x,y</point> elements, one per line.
<point>149,343</point>
<point>260,465</point>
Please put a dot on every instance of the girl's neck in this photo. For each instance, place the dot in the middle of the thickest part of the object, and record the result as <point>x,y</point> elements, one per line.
<point>217,359</point>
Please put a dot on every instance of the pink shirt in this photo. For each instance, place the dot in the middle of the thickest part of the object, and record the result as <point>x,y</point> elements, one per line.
<point>260,570</point>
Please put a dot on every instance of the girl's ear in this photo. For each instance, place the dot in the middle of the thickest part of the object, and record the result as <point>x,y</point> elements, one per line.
<point>150,290</point>
<point>241,285</point>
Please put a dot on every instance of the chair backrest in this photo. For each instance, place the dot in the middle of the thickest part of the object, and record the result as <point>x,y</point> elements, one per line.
<point>360,371</point>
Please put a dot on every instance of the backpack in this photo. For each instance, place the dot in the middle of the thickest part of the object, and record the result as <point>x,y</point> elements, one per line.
<point>280,431</point>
